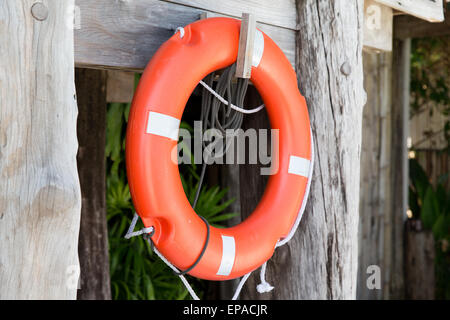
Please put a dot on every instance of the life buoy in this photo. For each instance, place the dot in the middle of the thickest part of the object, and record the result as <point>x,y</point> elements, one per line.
<point>155,185</point>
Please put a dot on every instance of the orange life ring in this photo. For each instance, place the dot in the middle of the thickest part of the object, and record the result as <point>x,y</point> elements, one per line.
<point>166,84</point>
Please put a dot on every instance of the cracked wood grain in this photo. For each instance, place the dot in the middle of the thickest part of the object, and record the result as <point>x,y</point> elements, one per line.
<point>39,187</point>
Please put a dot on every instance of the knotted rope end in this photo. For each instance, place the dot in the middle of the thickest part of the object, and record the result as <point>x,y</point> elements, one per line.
<point>264,287</point>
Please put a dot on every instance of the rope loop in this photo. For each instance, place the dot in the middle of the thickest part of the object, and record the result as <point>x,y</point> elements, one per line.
<point>131,233</point>
<point>181,30</point>
<point>232,106</point>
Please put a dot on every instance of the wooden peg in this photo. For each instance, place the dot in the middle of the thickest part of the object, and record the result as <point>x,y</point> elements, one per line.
<point>246,40</point>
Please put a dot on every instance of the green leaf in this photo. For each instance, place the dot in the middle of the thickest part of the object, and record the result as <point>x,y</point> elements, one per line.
<point>430,209</point>
<point>114,126</point>
<point>420,181</point>
<point>150,290</point>
<point>223,217</point>
<point>441,227</point>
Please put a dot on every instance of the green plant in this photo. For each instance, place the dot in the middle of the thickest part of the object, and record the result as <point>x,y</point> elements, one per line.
<point>431,205</point>
<point>430,92</point>
<point>430,79</point>
<point>136,272</point>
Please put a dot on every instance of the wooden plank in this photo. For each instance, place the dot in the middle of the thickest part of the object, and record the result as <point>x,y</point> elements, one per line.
<point>431,10</point>
<point>385,193</point>
<point>279,13</point>
<point>128,40</point>
<point>399,162</point>
<point>91,128</point>
<point>119,86</point>
<point>377,31</point>
<point>39,187</point>
<point>412,27</point>
<point>245,52</point>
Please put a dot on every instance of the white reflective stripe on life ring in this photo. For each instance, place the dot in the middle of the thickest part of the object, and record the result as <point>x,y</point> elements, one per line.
<point>163,125</point>
<point>228,255</point>
<point>299,166</point>
<point>258,48</point>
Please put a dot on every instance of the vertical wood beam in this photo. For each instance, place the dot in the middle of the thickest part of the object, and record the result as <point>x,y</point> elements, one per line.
<point>39,186</point>
<point>399,169</point>
<point>93,243</point>
<point>375,196</point>
<point>320,262</point>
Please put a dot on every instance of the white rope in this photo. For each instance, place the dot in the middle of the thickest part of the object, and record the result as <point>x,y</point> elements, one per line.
<point>182,278</point>
<point>131,233</point>
<point>181,30</point>
<point>240,286</point>
<point>232,106</point>
<point>264,286</point>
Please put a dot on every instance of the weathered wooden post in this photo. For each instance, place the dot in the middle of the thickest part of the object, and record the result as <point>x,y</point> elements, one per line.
<point>39,187</point>
<point>375,194</point>
<point>399,164</point>
<point>320,262</point>
<point>375,200</point>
